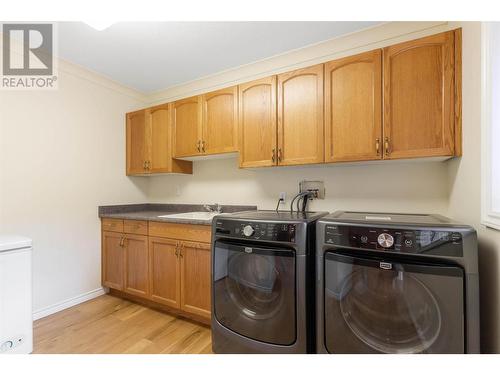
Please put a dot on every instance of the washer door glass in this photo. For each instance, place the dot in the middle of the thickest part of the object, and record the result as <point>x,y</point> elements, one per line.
<point>390,307</point>
<point>254,292</point>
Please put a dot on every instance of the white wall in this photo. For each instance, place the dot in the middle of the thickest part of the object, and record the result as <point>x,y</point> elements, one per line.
<point>62,153</point>
<point>392,187</point>
<point>465,189</point>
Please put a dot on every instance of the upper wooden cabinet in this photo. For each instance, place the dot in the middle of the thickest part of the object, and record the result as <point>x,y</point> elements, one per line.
<point>149,143</point>
<point>220,121</point>
<point>160,154</point>
<point>137,152</point>
<point>187,126</point>
<point>353,108</point>
<point>257,123</point>
<point>403,101</point>
<point>300,116</point>
<point>419,97</point>
<point>206,124</point>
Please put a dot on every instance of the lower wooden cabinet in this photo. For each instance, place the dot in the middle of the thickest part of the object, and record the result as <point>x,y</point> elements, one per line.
<point>125,262</point>
<point>112,260</point>
<point>164,266</point>
<point>195,278</point>
<point>136,280</point>
<point>180,275</point>
<point>164,271</point>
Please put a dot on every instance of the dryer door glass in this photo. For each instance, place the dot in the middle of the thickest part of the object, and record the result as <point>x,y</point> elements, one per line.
<point>254,292</point>
<point>381,306</point>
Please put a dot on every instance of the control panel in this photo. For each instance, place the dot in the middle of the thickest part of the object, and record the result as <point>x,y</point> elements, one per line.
<point>256,230</point>
<point>437,242</point>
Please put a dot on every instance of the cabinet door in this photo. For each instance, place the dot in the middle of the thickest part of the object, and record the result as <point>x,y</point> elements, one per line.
<point>300,116</point>
<point>195,278</point>
<point>186,121</point>
<point>136,265</point>
<point>113,260</point>
<point>220,121</point>
<point>257,123</point>
<point>419,97</point>
<point>353,108</point>
<point>164,279</point>
<point>136,143</point>
<point>160,155</point>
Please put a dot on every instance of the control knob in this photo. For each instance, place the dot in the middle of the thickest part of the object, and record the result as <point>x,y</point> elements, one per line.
<point>385,240</point>
<point>248,230</point>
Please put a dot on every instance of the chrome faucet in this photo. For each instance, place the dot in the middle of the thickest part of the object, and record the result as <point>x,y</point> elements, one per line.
<point>217,208</point>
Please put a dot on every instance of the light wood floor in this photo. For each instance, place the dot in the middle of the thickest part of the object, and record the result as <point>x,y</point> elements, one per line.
<point>109,324</point>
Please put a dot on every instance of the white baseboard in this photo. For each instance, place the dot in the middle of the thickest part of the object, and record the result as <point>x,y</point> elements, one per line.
<point>52,309</point>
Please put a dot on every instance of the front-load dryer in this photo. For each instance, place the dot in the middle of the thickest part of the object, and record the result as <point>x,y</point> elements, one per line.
<point>395,283</point>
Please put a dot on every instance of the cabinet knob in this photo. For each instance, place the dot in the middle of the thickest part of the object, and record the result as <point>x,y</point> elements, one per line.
<point>274,155</point>
<point>198,146</point>
<point>377,146</point>
<point>202,146</point>
<point>279,154</point>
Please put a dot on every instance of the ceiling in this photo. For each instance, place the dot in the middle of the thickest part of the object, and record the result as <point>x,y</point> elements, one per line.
<point>150,56</point>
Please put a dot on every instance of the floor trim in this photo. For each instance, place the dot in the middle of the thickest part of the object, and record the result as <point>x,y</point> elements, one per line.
<point>52,309</point>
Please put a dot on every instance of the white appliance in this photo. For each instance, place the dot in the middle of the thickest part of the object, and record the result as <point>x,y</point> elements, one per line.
<point>16,319</point>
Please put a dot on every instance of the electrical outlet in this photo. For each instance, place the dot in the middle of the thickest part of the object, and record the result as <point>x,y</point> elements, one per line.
<point>318,187</point>
<point>282,196</point>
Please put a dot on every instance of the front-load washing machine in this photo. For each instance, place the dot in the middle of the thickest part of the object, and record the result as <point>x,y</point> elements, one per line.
<point>263,282</point>
<point>396,283</point>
